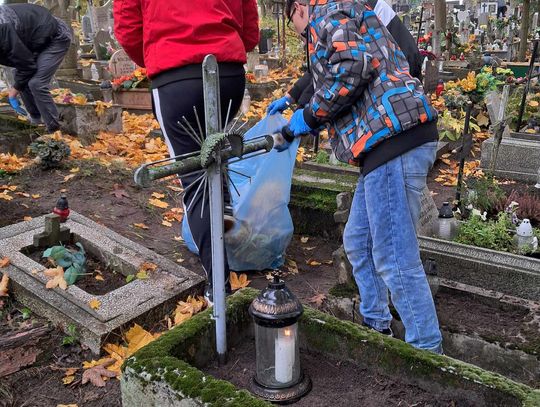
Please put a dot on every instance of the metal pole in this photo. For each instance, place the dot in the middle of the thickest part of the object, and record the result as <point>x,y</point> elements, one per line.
<point>213,125</point>
<point>464,152</point>
<point>420,25</point>
<point>527,85</point>
<point>499,128</point>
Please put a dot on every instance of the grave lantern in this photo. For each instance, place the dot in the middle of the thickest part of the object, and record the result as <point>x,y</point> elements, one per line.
<point>526,240</point>
<point>446,226</point>
<point>537,185</point>
<point>279,377</point>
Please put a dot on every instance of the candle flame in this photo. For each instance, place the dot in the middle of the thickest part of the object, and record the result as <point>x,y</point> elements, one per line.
<point>287,332</point>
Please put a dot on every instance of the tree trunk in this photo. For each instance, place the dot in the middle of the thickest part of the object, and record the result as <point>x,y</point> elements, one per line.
<point>524,33</point>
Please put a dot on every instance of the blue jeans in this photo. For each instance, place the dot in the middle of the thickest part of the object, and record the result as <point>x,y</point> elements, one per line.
<point>381,244</point>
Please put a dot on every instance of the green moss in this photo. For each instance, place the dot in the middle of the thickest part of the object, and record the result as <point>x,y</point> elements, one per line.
<point>320,180</point>
<point>313,198</point>
<point>347,290</point>
<point>11,124</point>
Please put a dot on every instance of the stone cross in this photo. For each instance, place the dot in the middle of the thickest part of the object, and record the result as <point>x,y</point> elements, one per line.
<point>121,64</point>
<point>53,234</point>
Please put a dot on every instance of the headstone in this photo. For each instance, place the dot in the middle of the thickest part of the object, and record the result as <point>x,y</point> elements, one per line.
<point>102,40</point>
<point>121,64</point>
<point>462,15</point>
<point>431,77</point>
<point>534,24</point>
<point>428,214</point>
<point>87,28</point>
<point>102,17</point>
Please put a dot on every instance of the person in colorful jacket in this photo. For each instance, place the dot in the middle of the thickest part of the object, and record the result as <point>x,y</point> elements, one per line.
<point>171,40</point>
<point>378,118</point>
<point>302,91</point>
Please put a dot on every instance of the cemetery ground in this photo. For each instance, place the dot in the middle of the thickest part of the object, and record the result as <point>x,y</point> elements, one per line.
<point>45,368</point>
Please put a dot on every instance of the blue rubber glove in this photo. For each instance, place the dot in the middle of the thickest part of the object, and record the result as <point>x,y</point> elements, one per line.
<point>14,103</point>
<point>279,105</point>
<point>298,125</point>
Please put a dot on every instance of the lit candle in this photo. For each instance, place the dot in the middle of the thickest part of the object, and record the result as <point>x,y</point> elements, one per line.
<point>284,354</point>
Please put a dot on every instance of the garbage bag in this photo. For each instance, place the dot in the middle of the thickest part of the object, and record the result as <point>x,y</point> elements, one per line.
<point>260,188</point>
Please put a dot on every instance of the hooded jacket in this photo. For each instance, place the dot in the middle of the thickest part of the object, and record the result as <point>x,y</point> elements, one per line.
<point>162,36</point>
<point>26,30</point>
<point>363,88</point>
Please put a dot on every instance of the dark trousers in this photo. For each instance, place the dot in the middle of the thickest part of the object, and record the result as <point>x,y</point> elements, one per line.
<point>171,102</point>
<point>36,96</point>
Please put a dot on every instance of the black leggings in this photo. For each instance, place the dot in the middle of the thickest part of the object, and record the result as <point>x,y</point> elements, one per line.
<point>171,102</point>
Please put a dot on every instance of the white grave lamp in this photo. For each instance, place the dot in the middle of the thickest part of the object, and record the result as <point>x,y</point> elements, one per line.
<point>446,226</point>
<point>537,185</point>
<point>526,241</point>
<point>279,377</point>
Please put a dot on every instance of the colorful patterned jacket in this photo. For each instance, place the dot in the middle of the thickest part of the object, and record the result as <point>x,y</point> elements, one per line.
<point>363,89</point>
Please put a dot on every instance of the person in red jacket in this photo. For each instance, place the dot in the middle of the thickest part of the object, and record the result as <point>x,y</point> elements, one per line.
<point>171,40</point>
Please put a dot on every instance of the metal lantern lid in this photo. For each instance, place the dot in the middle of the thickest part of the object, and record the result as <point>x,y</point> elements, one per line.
<point>276,306</point>
<point>446,211</point>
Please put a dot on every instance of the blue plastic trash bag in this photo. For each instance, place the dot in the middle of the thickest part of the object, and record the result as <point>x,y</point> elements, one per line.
<point>260,198</point>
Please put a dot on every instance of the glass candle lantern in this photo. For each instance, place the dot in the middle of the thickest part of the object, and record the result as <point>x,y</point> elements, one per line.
<point>526,241</point>
<point>446,226</point>
<point>279,376</point>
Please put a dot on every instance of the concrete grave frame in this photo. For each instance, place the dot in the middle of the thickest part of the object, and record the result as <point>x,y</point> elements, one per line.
<point>138,301</point>
<point>165,373</point>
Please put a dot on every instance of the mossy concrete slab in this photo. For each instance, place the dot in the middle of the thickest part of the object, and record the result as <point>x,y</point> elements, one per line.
<point>165,373</point>
<point>140,300</point>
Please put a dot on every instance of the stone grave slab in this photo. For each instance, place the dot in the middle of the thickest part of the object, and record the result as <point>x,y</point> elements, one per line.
<point>139,300</point>
<point>428,214</point>
<point>518,159</point>
<point>84,122</point>
<point>102,17</point>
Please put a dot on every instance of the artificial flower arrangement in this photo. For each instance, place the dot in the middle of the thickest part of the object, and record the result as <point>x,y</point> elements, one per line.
<point>137,79</point>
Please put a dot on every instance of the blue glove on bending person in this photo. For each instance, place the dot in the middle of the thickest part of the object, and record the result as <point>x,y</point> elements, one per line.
<point>14,103</point>
<point>279,105</point>
<point>296,127</point>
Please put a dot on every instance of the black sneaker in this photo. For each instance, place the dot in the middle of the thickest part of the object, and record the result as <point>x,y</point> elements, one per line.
<point>387,331</point>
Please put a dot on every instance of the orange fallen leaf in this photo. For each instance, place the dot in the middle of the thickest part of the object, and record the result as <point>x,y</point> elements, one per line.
<point>158,195</point>
<point>313,263</point>
<point>74,170</point>
<point>140,226</point>
<point>5,196</point>
<point>175,189</point>
<point>158,203</point>
<point>317,299</point>
<point>238,282</point>
<point>58,278</point>
<point>165,223</point>
<point>68,177</point>
<point>4,262</point>
<point>23,194</point>
<point>99,278</point>
<point>36,196</point>
<point>27,218</point>
<point>96,373</point>
<point>292,266</point>
<point>68,379</point>
<point>147,266</point>
<point>4,285</point>
<point>94,303</point>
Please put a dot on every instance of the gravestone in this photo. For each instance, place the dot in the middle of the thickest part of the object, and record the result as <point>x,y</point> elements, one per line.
<point>102,40</point>
<point>87,30</point>
<point>483,19</point>
<point>431,77</point>
<point>102,17</point>
<point>534,24</point>
<point>428,214</point>
<point>121,64</point>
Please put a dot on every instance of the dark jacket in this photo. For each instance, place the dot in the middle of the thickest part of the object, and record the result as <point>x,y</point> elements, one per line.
<point>364,91</point>
<point>26,30</point>
<point>302,90</point>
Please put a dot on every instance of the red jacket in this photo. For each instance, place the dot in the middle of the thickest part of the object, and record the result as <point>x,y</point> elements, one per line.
<point>161,35</point>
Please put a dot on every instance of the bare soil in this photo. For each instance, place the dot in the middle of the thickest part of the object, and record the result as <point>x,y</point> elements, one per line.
<point>335,383</point>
